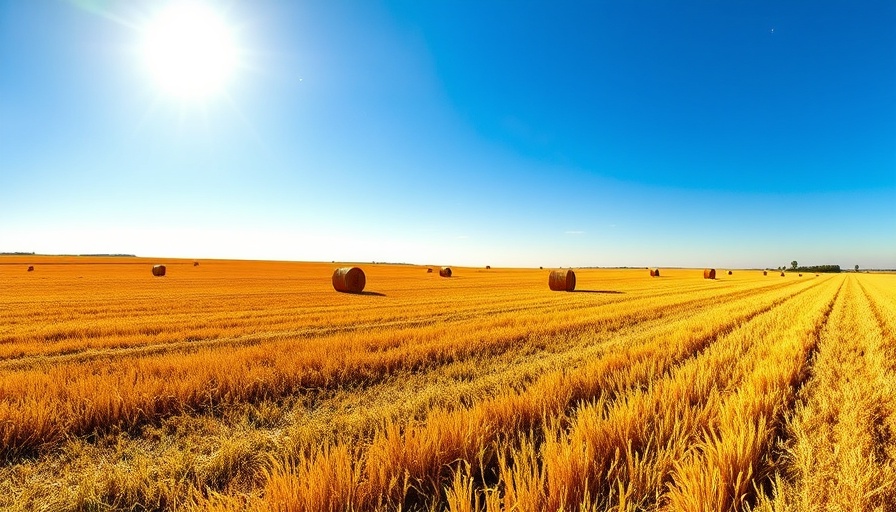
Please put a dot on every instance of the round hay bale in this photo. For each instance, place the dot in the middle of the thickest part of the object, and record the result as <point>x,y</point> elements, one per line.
<point>349,280</point>
<point>709,273</point>
<point>488,267</point>
<point>30,268</point>
<point>429,271</point>
<point>765,272</point>
<point>540,268</point>
<point>655,273</point>
<point>729,272</point>
<point>782,274</point>
<point>195,263</point>
<point>158,270</point>
<point>652,274</point>
<point>445,271</point>
<point>800,275</point>
<point>562,280</point>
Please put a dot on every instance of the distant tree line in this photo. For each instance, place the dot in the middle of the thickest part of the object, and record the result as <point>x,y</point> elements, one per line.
<point>110,255</point>
<point>90,255</point>
<point>833,269</point>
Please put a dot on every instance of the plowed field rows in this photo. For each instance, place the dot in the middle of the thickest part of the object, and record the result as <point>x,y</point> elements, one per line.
<point>255,386</point>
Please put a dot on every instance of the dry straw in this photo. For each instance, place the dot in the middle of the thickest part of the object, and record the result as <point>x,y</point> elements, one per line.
<point>562,280</point>
<point>445,271</point>
<point>349,280</point>
<point>158,270</point>
<point>709,273</point>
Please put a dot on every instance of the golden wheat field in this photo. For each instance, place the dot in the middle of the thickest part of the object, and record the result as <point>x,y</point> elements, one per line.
<point>255,386</point>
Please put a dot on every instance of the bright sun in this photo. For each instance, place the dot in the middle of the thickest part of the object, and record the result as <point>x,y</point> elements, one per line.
<point>190,51</point>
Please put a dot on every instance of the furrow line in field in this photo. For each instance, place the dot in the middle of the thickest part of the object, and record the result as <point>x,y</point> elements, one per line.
<point>884,311</point>
<point>152,327</point>
<point>337,412</point>
<point>192,346</point>
<point>732,459</point>
<point>850,403</point>
<point>40,407</point>
<point>577,348</point>
<point>620,453</point>
<point>421,454</point>
<point>75,329</point>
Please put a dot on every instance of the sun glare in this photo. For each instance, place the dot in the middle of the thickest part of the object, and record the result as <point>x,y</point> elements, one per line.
<point>190,51</point>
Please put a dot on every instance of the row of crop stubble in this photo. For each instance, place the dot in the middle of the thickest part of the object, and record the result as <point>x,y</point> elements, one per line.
<point>78,306</point>
<point>699,436</point>
<point>82,389</point>
<point>500,450</point>
<point>840,452</point>
<point>558,354</point>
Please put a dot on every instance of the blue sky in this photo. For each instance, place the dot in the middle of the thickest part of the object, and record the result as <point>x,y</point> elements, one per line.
<point>728,134</point>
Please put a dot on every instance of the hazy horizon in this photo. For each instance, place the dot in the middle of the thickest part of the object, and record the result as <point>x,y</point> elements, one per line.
<point>573,134</point>
<point>162,258</point>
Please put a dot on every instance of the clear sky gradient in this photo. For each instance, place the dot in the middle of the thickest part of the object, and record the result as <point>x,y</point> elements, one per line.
<point>727,134</point>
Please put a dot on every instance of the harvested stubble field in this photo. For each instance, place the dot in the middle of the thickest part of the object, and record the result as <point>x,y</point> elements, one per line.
<point>255,386</point>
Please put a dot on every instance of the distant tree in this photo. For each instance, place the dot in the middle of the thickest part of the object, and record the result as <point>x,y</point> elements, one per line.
<point>857,268</point>
<point>794,264</point>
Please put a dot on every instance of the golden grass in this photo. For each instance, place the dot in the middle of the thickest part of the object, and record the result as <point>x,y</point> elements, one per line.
<point>253,385</point>
<point>840,450</point>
